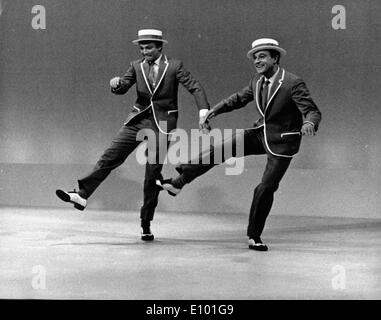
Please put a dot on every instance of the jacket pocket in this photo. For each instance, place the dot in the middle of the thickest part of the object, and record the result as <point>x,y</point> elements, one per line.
<point>290,134</point>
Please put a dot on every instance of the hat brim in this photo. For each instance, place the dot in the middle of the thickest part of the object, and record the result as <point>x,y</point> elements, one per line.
<point>266,47</point>
<point>149,39</point>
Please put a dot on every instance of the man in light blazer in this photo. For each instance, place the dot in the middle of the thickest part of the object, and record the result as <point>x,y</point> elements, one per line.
<point>156,78</point>
<point>286,112</point>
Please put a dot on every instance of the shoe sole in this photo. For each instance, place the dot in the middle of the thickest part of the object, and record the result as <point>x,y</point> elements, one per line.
<point>161,187</point>
<point>66,198</point>
<point>147,237</point>
<point>258,248</point>
<point>172,190</point>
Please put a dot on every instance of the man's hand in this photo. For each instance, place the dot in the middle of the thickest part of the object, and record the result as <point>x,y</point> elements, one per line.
<point>308,129</point>
<point>204,121</point>
<point>114,82</point>
<point>204,125</point>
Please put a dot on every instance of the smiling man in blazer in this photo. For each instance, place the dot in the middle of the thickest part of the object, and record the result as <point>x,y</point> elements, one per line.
<point>156,78</point>
<point>286,112</point>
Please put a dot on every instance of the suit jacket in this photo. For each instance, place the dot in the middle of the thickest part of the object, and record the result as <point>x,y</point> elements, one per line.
<point>163,99</point>
<point>289,102</point>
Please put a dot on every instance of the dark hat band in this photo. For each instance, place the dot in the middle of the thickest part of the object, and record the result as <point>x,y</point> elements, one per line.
<point>150,36</point>
<point>266,44</point>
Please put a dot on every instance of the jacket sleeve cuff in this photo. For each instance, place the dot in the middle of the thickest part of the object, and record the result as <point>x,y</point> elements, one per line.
<point>203,112</point>
<point>309,122</point>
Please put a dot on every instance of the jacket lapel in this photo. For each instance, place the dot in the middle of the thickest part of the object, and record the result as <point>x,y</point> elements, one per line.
<point>257,94</point>
<point>163,66</point>
<point>144,67</point>
<point>275,87</point>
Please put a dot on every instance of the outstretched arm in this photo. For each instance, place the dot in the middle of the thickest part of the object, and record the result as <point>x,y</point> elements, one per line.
<point>235,101</point>
<point>120,85</point>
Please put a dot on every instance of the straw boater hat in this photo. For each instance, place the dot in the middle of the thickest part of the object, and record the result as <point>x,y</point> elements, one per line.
<point>149,35</point>
<point>265,44</point>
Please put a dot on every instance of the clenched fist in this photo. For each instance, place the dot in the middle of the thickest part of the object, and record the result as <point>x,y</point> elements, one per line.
<point>114,82</point>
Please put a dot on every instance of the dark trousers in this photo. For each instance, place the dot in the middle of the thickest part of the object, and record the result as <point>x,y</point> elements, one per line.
<point>123,144</point>
<point>251,142</point>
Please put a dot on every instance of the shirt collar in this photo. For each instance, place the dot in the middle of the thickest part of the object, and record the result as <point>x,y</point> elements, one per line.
<point>272,79</point>
<point>157,60</point>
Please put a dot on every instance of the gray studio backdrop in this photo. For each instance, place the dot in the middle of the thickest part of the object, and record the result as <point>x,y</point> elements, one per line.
<point>57,113</point>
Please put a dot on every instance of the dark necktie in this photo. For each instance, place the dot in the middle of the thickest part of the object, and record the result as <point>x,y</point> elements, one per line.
<point>265,93</point>
<point>152,74</point>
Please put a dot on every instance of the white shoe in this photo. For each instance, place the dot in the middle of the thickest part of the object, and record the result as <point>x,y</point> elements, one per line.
<point>168,186</point>
<point>73,197</point>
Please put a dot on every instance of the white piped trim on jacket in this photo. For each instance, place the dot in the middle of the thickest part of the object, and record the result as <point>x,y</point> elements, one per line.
<point>153,92</point>
<point>263,113</point>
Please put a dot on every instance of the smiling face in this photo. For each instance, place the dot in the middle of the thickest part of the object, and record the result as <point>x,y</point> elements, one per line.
<point>265,63</point>
<point>150,50</point>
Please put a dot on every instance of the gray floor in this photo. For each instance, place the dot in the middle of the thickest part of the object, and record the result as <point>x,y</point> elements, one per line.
<point>64,254</point>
